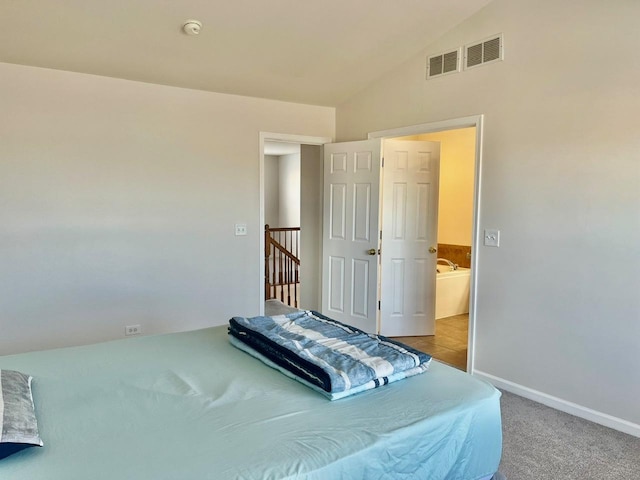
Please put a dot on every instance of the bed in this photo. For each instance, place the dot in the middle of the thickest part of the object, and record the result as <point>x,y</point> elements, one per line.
<point>191,406</point>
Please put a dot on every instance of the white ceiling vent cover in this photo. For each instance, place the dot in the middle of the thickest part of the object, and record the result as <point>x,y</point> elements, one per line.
<point>443,64</point>
<point>488,50</point>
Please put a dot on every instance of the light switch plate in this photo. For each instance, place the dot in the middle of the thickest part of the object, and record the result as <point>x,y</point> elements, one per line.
<point>241,229</point>
<point>491,237</point>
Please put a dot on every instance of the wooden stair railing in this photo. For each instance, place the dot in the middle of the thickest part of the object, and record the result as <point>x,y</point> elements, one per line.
<point>282,264</point>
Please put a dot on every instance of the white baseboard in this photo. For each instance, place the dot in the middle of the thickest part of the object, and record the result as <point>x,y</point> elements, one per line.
<point>562,405</point>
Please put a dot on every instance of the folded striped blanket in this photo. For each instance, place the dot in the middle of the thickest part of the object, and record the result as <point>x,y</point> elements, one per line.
<point>333,358</point>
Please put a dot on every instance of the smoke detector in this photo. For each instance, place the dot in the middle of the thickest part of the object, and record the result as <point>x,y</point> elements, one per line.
<point>192,27</point>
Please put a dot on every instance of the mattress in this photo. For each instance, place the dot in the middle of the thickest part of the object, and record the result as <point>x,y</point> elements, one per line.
<point>190,406</point>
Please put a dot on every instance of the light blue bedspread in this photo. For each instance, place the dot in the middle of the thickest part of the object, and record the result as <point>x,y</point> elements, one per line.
<point>336,359</point>
<point>190,406</point>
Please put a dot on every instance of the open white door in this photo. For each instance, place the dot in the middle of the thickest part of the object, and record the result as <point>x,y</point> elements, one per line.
<point>409,238</point>
<point>350,232</point>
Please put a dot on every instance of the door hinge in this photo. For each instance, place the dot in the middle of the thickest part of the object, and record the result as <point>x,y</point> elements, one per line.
<point>378,304</point>
<point>382,162</point>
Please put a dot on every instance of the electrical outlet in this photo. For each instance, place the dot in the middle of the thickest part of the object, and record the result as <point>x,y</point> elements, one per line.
<point>132,330</point>
<point>491,237</point>
<point>241,229</point>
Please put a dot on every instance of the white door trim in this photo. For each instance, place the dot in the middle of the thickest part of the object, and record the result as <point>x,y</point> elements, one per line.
<point>452,124</point>
<point>276,137</point>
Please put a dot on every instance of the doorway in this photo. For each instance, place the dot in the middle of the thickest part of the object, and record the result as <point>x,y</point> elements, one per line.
<point>441,130</point>
<point>380,235</point>
<point>282,177</point>
<point>455,233</point>
<point>308,202</point>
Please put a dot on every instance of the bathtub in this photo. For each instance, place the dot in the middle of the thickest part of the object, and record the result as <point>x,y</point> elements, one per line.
<point>452,291</point>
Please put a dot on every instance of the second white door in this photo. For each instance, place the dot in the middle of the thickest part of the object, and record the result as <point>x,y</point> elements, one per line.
<point>409,237</point>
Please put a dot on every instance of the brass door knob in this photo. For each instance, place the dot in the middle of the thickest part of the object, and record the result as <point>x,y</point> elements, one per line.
<point>371,251</point>
<point>433,249</point>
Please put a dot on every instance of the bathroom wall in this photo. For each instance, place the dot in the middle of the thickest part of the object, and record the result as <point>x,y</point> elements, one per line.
<point>455,202</point>
<point>457,162</point>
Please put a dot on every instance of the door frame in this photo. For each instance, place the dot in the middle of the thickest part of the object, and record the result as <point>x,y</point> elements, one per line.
<point>453,124</point>
<point>276,137</point>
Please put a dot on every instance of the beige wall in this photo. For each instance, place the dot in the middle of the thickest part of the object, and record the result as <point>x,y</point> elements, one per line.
<point>457,166</point>
<point>310,225</point>
<point>271,190</point>
<point>558,304</point>
<point>289,188</point>
<point>118,201</point>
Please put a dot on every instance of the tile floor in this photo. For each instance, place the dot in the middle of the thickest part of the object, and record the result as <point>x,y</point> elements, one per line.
<point>449,344</point>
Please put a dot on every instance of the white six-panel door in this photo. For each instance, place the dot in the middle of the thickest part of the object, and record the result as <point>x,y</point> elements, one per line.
<point>409,231</point>
<point>350,232</point>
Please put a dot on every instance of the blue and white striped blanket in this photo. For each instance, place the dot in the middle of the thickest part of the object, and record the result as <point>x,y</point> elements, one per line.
<point>333,358</point>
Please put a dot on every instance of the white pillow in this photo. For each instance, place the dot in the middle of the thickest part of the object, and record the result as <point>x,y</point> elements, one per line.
<point>18,423</point>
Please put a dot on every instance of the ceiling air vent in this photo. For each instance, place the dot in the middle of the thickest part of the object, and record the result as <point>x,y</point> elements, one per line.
<point>443,64</point>
<point>487,51</point>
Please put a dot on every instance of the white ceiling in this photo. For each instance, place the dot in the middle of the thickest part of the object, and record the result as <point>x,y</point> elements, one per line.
<point>315,52</point>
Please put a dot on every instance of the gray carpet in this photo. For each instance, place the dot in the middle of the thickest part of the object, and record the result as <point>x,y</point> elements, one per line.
<point>541,443</point>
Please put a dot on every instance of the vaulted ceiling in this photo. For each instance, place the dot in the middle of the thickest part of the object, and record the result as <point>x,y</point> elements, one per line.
<point>317,52</point>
